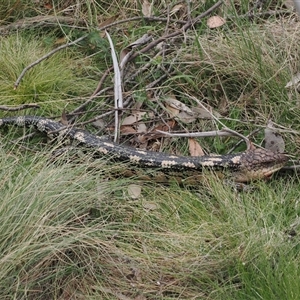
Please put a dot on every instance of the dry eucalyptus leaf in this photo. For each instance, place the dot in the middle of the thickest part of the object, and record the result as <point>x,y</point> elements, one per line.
<point>195,148</point>
<point>99,124</point>
<point>186,117</point>
<point>215,21</point>
<point>173,112</point>
<point>179,110</point>
<point>150,206</point>
<point>146,8</point>
<point>172,102</point>
<point>273,140</point>
<point>134,191</point>
<point>175,9</point>
<point>156,146</point>
<point>141,128</point>
<point>118,96</point>
<point>138,104</point>
<point>133,118</point>
<point>108,21</point>
<point>202,113</point>
<point>127,130</point>
<point>166,126</point>
<point>160,45</point>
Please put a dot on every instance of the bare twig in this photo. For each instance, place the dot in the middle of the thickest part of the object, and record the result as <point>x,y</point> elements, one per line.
<point>188,5</point>
<point>225,128</point>
<point>222,132</point>
<point>145,67</point>
<point>241,140</point>
<point>20,107</point>
<point>246,140</point>
<point>198,134</point>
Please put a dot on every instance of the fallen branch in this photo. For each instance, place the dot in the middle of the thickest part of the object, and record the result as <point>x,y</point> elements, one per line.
<point>214,133</point>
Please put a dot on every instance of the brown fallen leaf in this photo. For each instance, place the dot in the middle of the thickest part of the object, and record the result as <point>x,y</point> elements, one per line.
<point>137,116</point>
<point>100,124</point>
<point>204,113</point>
<point>173,112</point>
<point>105,23</point>
<point>195,148</point>
<point>141,128</point>
<point>167,126</point>
<point>124,129</point>
<point>153,134</point>
<point>48,6</point>
<point>215,21</point>
<point>173,102</point>
<point>146,8</point>
<point>186,117</point>
<point>176,8</point>
<point>179,110</point>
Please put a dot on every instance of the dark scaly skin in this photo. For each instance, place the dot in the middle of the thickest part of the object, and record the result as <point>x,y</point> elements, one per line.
<point>245,166</point>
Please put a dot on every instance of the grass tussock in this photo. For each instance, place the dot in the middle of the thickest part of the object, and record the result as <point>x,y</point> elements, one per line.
<point>66,232</point>
<point>246,69</point>
<point>53,83</point>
